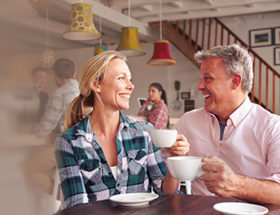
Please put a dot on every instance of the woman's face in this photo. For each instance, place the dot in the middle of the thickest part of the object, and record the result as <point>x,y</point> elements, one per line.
<point>154,94</point>
<point>116,88</point>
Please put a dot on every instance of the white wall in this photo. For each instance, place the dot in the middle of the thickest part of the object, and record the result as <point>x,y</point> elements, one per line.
<point>143,75</point>
<point>241,25</point>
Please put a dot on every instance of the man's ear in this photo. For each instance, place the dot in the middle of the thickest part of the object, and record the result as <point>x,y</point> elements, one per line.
<point>236,80</point>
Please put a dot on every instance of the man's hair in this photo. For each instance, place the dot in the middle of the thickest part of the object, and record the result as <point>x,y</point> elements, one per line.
<point>236,59</point>
<point>64,68</point>
<point>37,69</point>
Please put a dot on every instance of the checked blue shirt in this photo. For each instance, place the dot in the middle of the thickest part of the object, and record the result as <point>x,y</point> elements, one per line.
<point>85,174</point>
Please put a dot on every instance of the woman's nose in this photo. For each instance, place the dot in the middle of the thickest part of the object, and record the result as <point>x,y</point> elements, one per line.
<point>130,85</point>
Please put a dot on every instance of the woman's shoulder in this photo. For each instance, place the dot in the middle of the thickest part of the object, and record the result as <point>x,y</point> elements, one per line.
<point>137,123</point>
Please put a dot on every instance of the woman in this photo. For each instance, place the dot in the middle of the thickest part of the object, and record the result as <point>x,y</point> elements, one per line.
<point>155,107</point>
<point>105,152</point>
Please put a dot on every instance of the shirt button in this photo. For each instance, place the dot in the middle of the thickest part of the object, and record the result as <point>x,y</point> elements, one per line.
<point>89,137</point>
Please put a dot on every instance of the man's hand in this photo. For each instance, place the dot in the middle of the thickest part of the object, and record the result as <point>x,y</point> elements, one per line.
<point>219,177</point>
<point>181,147</point>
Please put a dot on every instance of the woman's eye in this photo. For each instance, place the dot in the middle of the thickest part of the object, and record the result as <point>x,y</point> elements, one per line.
<point>121,78</point>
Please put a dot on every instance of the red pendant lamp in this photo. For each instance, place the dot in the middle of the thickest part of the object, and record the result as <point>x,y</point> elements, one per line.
<point>161,56</point>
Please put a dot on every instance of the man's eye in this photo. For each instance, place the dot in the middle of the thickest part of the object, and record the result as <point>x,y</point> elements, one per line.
<point>121,78</point>
<point>207,78</point>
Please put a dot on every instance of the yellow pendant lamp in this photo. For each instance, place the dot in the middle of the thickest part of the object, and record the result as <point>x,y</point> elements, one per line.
<point>81,26</point>
<point>161,56</point>
<point>129,44</point>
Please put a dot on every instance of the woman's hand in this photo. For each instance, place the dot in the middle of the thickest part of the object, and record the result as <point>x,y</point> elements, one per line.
<point>181,147</point>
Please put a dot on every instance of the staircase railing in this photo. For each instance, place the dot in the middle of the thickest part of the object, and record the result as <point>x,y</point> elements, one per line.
<point>209,32</point>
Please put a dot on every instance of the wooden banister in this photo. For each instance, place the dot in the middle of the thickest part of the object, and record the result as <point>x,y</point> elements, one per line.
<point>195,36</point>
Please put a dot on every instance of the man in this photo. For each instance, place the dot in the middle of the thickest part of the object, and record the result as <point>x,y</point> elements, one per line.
<point>68,89</point>
<point>239,140</point>
<point>41,166</point>
<point>39,78</point>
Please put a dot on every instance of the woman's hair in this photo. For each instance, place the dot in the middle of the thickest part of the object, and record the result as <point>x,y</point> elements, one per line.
<point>160,88</point>
<point>236,60</point>
<point>93,70</point>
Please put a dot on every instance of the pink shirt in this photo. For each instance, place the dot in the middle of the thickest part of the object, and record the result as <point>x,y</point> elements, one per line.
<point>250,146</point>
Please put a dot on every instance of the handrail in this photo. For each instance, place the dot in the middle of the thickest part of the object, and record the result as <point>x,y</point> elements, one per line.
<point>195,36</point>
<point>245,45</point>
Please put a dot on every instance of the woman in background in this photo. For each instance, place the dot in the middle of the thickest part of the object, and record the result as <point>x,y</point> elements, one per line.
<point>103,152</point>
<point>155,107</point>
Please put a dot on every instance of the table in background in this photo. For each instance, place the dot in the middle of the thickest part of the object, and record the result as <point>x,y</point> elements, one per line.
<point>170,204</point>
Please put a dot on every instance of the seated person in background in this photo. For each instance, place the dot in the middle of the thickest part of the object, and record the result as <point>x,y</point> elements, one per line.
<point>156,111</point>
<point>42,164</point>
<point>155,107</point>
<point>103,152</point>
<point>239,140</point>
<point>39,78</point>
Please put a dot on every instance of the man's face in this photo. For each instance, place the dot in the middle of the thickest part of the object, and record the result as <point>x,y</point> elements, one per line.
<point>216,87</point>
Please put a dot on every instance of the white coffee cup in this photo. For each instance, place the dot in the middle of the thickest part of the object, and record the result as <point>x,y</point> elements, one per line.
<point>163,137</point>
<point>185,168</point>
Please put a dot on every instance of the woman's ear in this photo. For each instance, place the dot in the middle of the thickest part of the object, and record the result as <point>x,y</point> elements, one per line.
<point>95,86</point>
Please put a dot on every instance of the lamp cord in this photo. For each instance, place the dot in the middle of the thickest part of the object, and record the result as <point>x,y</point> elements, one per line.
<point>100,30</point>
<point>47,25</point>
<point>160,20</point>
<point>129,13</point>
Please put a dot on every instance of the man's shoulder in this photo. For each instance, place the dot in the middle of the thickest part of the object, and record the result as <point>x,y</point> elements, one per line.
<point>262,113</point>
<point>199,112</point>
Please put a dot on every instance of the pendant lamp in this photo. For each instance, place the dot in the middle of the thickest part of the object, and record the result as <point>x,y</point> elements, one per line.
<point>101,48</point>
<point>161,56</point>
<point>81,26</point>
<point>129,44</point>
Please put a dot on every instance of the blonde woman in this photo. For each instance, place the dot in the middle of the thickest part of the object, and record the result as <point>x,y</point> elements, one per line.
<point>103,152</point>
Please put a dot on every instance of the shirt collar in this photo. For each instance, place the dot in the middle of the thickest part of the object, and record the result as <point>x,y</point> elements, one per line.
<point>84,127</point>
<point>239,114</point>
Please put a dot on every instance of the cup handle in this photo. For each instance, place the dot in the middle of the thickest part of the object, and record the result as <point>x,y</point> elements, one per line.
<point>200,172</point>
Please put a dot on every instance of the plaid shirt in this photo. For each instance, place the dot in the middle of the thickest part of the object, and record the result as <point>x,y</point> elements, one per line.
<point>157,115</point>
<point>85,174</point>
<point>55,111</point>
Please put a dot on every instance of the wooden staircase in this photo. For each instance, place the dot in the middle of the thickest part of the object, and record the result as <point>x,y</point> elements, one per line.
<point>192,35</point>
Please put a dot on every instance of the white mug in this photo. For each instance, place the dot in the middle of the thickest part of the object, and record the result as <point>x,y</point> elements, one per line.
<point>163,137</point>
<point>185,168</point>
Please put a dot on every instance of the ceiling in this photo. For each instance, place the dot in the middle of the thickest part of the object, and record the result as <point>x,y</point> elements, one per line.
<point>24,24</point>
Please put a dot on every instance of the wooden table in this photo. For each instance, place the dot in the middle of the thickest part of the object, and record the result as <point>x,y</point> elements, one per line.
<point>176,204</point>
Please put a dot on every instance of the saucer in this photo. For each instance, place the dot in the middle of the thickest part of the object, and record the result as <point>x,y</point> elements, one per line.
<point>134,199</point>
<point>240,208</point>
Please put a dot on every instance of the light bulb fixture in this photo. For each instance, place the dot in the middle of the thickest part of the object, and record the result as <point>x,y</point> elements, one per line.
<point>81,26</point>
<point>129,44</point>
<point>161,56</point>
